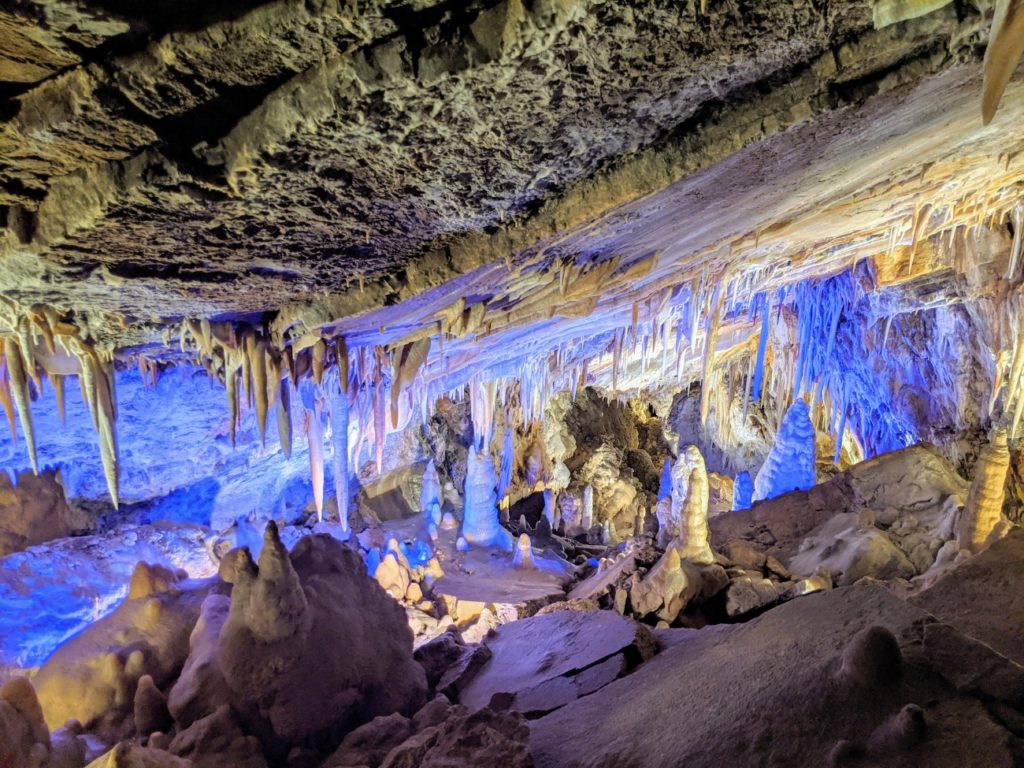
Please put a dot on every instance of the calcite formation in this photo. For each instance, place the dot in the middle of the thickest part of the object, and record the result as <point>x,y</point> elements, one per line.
<point>501,382</point>
<point>984,508</point>
<point>791,462</point>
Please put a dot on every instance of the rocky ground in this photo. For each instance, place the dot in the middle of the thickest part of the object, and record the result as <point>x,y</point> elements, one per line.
<point>874,650</point>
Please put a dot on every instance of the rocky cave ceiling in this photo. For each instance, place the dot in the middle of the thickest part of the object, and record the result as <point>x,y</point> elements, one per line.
<point>301,164</point>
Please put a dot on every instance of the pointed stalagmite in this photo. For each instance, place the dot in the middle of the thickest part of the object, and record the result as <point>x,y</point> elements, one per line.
<point>480,521</point>
<point>790,462</point>
<point>522,558</point>
<point>430,494</point>
<point>694,541</point>
<point>984,508</point>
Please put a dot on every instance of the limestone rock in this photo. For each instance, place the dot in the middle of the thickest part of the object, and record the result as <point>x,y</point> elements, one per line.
<point>535,660</point>
<point>92,678</point>
<point>24,737</point>
<point>284,614</point>
<point>851,551</point>
<point>35,511</point>
<point>745,595</point>
<point>126,755</point>
<point>467,740</point>
<point>371,742</point>
<point>783,663</point>
<point>217,740</point>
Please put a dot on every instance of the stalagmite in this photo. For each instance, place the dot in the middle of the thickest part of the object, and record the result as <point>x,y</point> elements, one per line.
<point>19,388</point>
<point>742,491</point>
<point>522,558</point>
<point>983,511</point>
<point>480,525</point>
<point>694,540</point>
<point>430,494</point>
<point>315,438</point>
<point>665,486</point>
<point>690,458</point>
<point>587,516</point>
<point>790,463</point>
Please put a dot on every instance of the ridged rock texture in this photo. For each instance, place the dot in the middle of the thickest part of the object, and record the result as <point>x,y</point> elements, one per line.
<point>790,463</point>
<point>312,645</point>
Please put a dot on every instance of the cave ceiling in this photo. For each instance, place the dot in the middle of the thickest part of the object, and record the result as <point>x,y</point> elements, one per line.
<point>388,170</point>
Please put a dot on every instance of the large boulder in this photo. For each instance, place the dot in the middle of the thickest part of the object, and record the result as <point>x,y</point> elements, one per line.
<point>543,662</point>
<point>851,550</point>
<point>313,644</point>
<point>34,511</point>
<point>853,676</point>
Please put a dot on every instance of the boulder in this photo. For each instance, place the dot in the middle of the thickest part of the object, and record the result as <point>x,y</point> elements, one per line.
<point>467,740</point>
<point>24,737</point>
<point>540,663</point>
<point>218,740</point>
<point>313,645</point>
<point>34,511</point>
<point>851,550</point>
<point>92,678</point>
<point>841,666</point>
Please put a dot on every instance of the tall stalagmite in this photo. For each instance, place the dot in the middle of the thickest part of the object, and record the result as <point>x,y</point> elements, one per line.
<point>480,522</point>
<point>790,463</point>
<point>984,509</point>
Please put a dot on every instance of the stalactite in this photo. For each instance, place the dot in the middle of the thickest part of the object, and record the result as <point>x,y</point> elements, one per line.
<point>19,388</point>
<point>256,351</point>
<point>408,361</point>
<point>1003,54</point>
<point>379,427</point>
<point>6,398</point>
<point>710,342</point>
<point>231,382</point>
<point>315,438</point>
<point>284,418</point>
<point>339,414</point>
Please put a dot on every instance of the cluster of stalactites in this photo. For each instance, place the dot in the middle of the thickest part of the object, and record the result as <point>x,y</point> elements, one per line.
<point>45,346</point>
